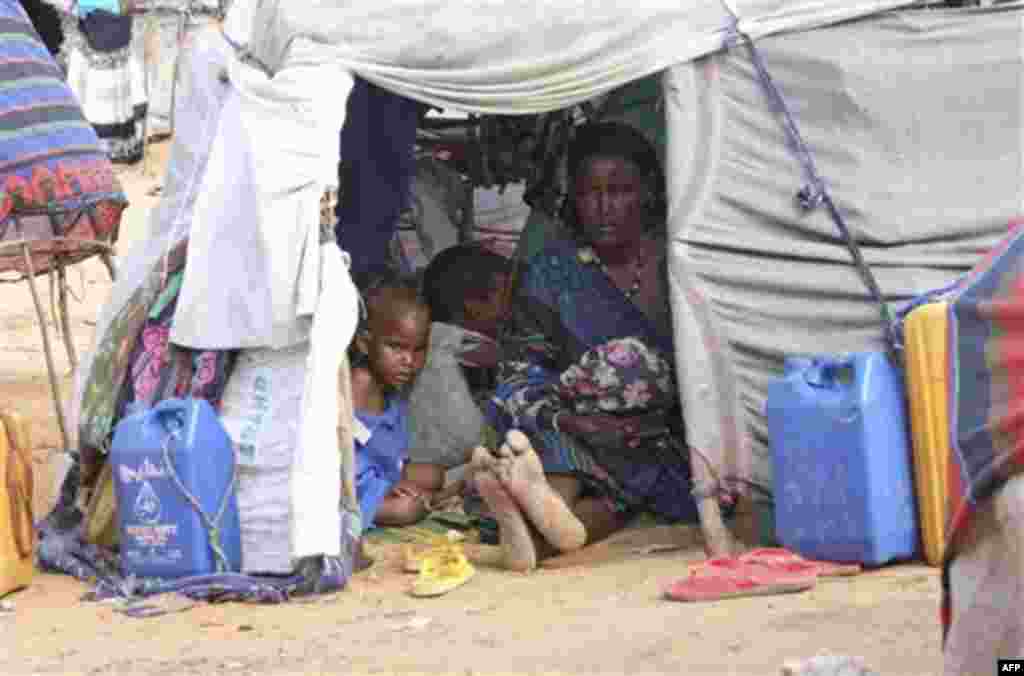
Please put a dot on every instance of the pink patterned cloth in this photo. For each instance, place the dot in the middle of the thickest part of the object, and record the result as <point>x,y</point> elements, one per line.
<point>160,370</point>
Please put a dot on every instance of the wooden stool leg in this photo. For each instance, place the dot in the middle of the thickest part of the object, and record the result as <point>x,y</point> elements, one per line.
<point>65,319</point>
<point>47,352</point>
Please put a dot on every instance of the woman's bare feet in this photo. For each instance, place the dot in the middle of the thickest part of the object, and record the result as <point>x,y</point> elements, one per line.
<point>520,470</point>
<point>518,551</point>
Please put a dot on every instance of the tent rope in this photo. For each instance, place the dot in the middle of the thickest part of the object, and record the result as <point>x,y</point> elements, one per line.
<point>212,525</point>
<point>814,193</point>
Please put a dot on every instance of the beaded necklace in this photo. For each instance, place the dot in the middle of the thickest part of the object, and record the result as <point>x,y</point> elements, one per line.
<point>588,255</point>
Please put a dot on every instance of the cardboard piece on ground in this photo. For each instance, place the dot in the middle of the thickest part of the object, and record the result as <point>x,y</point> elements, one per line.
<point>632,542</point>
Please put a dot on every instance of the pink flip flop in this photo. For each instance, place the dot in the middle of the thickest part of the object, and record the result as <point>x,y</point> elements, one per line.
<point>777,557</point>
<point>720,587</point>
<point>727,577</point>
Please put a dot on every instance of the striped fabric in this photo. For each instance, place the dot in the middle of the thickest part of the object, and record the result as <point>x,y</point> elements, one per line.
<point>986,369</point>
<point>55,180</point>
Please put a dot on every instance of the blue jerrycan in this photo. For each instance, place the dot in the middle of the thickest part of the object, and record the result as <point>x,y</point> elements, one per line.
<point>841,458</point>
<point>174,479</point>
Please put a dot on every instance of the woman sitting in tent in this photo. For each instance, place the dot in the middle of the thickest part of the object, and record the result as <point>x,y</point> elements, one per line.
<point>588,374</point>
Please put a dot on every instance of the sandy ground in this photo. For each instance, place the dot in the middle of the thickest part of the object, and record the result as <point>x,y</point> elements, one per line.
<point>600,618</point>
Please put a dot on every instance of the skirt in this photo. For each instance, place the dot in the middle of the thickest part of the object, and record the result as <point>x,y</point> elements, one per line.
<point>111,88</point>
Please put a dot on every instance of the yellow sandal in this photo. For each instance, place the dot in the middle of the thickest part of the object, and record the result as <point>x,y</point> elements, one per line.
<point>415,553</point>
<point>442,570</point>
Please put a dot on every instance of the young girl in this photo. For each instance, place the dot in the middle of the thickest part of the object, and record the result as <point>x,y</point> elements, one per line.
<point>466,288</point>
<point>388,353</point>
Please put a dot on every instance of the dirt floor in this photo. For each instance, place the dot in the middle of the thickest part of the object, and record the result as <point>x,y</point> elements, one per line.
<point>605,618</point>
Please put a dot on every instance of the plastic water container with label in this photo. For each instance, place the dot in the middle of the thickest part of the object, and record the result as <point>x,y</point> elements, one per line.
<point>162,533</point>
<point>842,466</point>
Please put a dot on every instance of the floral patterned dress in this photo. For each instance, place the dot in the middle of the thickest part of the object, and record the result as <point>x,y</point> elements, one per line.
<point>577,345</point>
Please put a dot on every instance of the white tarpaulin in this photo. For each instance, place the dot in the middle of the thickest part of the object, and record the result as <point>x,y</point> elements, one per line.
<point>516,56</point>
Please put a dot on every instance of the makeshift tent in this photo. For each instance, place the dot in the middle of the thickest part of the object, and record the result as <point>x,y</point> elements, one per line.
<point>754,275</point>
<point>895,171</point>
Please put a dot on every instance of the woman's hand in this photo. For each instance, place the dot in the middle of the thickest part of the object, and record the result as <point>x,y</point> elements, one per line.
<point>614,430</point>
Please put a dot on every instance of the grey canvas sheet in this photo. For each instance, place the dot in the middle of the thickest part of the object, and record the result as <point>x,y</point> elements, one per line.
<point>915,121</point>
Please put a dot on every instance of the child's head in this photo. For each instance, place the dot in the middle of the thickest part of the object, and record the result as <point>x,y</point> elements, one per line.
<point>395,333</point>
<point>468,285</point>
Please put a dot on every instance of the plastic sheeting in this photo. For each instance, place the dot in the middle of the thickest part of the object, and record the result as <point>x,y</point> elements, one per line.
<point>917,133</point>
<point>516,56</point>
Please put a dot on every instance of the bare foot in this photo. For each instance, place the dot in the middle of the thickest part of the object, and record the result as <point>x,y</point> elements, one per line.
<point>517,548</point>
<point>520,470</point>
<point>481,460</point>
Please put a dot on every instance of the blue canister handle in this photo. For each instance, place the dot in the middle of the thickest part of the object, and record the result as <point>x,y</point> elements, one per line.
<point>821,372</point>
<point>796,365</point>
<point>171,414</point>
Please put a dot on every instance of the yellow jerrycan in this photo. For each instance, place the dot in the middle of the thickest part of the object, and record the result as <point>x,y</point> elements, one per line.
<point>17,531</point>
<point>927,369</point>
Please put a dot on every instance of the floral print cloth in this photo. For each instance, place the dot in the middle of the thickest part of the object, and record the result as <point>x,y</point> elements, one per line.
<point>620,376</point>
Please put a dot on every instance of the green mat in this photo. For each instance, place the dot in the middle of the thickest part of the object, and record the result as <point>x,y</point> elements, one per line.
<point>430,529</point>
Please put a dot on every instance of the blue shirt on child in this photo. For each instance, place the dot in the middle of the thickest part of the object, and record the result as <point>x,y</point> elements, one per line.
<point>379,459</point>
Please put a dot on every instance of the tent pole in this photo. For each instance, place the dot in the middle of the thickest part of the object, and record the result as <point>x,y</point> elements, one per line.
<point>718,541</point>
<point>54,382</point>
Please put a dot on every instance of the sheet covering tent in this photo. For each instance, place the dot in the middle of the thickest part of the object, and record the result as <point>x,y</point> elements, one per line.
<point>925,193</point>
<point>517,56</point>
